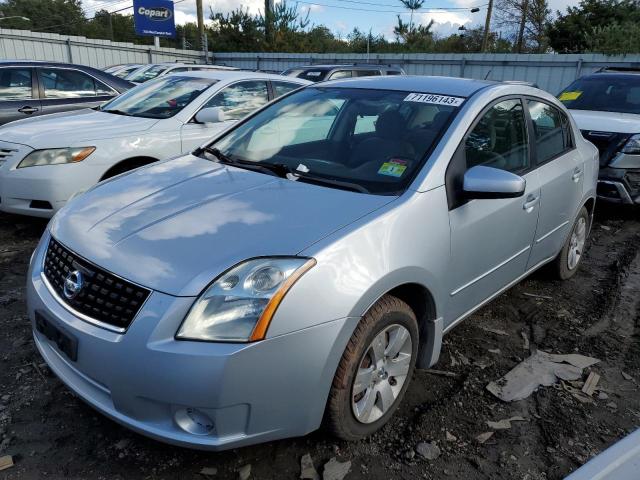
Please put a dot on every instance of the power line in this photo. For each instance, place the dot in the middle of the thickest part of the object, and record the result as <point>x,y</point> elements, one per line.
<point>437,10</point>
<point>361,2</point>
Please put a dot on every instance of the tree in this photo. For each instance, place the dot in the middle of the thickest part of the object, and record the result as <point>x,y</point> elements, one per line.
<point>55,16</point>
<point>525,22</point>
<point>236,31</point>
<point>412,5</point>
<point>573,30</point>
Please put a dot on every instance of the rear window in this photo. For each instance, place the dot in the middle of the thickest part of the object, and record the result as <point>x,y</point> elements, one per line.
<point>313,75</point>
<point>608,93</point>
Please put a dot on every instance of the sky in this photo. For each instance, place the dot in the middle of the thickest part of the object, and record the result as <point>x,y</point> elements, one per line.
<point>341,16</point>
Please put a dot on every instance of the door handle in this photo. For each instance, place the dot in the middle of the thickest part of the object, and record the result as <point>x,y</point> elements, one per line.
<point>28,110</point>
<point>577,173</point>
<point>530,203</point>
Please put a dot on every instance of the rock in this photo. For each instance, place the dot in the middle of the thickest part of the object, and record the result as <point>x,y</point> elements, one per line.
<point>483,437</point>
<point>430,451</point>
<point>5,398</point>
<point>612,405</point>
<point>122,444</point>
<point>6,462</point>
<point>409,454</point>
<point>244,472</point>
<point>602,396</point>
<point>335,470</point>
<point>209,471</point>
<point>307,470</point>
<point>450,437</point>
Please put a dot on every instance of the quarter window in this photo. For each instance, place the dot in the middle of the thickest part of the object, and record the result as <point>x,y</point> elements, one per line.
<point>240,99</point>
<point>551,130</point>
<point>70,84</point>
<point>367,73</point>
<point>280,88</point>
<point>499,139</point>
<point>15,84</point>
<point>340,74</point>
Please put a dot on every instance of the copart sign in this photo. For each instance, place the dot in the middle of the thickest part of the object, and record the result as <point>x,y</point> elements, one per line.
<point>154,18</point>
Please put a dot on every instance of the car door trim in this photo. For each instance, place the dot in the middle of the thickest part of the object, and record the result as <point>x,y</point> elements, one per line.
<point>490,271</point>
<point>563,224</point>
<point>496,294</point>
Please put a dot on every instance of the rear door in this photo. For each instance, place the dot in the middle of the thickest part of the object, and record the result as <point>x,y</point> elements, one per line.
<point>18,94</point>
<point>63,89</point>
<point>236,100</point>
<point>561,171</point>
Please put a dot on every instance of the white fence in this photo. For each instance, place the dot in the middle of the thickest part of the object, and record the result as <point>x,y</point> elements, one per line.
<point>549,71</point>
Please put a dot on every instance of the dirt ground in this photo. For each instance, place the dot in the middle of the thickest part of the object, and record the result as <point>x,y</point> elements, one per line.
<point>52,434</point>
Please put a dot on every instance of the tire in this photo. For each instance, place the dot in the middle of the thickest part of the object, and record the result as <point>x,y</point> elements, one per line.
<point>392,322</point>
<point>568,260</point>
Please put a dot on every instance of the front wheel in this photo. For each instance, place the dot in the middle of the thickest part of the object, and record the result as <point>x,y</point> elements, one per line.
<point>570,257</point>
<point>375,370</point>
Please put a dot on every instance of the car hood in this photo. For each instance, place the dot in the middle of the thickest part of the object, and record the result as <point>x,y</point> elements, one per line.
<point>71,128</point>
<point>174,226</point>
<point>606,121</point>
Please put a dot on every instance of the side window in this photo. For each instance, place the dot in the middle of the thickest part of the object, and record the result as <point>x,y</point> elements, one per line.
<point>340,74</point>
<point>15,84</point>
<point>548,130</point>
<point>394,72</point>
<point>280,88</point>
<point>103,90</point>
<point>60,83</point>
<point>499,139</point>
<point>178,70</point>
<point>367,73</point>
<point>240,99</point>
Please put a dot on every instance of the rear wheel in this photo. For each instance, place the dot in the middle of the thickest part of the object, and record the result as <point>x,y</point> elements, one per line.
<point>570,257</point>
<point>375,370</point>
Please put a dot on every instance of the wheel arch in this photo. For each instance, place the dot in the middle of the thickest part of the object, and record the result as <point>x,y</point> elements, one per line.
<point>126,165</point>
<point>423,301</point>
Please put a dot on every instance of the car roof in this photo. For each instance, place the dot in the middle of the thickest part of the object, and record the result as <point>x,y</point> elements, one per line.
<point>614,74</point>
<point>458,87</point>
<point>228,75</point>
<point>343,65</point>
<point>41,63</point>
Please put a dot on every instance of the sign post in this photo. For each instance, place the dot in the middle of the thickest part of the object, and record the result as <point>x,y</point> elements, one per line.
<point>154,18</point>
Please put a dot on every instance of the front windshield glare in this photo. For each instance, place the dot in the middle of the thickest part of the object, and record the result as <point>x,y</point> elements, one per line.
<point>374,139</point>
<point>604,93</point>
<point>162,98</point>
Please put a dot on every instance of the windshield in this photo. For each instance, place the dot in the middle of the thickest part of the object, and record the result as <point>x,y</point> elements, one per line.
<point>162,98</point>
<point>608,93</point>
<point>147,74</point>
<point>375,140</point>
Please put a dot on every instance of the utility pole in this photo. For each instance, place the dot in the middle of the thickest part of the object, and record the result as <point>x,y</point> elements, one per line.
<point>487,27</point>
<point>203,39</point>
<point>523,22</point>
<point>268,21</point>
<point>110,26</point>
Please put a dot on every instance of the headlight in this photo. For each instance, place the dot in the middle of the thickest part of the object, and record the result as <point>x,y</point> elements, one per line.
<point>55,156</point>
<point>632,146</point>
<point>239,305</point>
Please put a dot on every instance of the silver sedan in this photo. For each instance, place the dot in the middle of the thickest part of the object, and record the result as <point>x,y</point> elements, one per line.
<point>302,264</point>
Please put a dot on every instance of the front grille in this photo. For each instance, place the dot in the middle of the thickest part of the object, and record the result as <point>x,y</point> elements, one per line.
<point>102,296</point>
<point>633,178</point>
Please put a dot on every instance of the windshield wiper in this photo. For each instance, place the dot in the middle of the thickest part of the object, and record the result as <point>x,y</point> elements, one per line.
<point>284,171</point>
<point>222,158</point>
<point>117,112</point>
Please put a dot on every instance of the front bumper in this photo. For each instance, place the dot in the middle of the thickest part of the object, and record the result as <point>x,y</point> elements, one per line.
<point>619,185</point>
<point>146,380</point>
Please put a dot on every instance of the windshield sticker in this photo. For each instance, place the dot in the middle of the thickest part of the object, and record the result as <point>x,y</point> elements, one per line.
<point>568,96</point>
<point>434,99</point>
<point>313,74</point>
<point>393,168</point>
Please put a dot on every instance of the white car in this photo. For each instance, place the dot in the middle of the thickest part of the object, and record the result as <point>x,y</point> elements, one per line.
<point>155,70</point>
<point>44,161</point>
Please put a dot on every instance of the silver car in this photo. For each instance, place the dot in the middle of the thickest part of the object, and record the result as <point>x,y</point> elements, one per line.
<point>302,264</point>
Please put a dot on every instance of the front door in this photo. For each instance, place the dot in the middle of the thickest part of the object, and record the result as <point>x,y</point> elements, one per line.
<point>18,94</point>
<point>490,238</point>
<point>561,171</point>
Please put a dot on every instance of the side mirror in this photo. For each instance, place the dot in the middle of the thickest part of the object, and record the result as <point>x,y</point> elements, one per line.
<point>210,115</point>
<point>489,182</point>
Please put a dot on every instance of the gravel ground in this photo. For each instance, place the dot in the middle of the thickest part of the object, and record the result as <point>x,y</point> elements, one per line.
<point>51,433</point>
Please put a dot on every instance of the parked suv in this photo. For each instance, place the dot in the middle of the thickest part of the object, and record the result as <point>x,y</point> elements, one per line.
<point>606,107</point>
<point>318,73</point>
<point>28,89</point>
<point>300,265</point>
